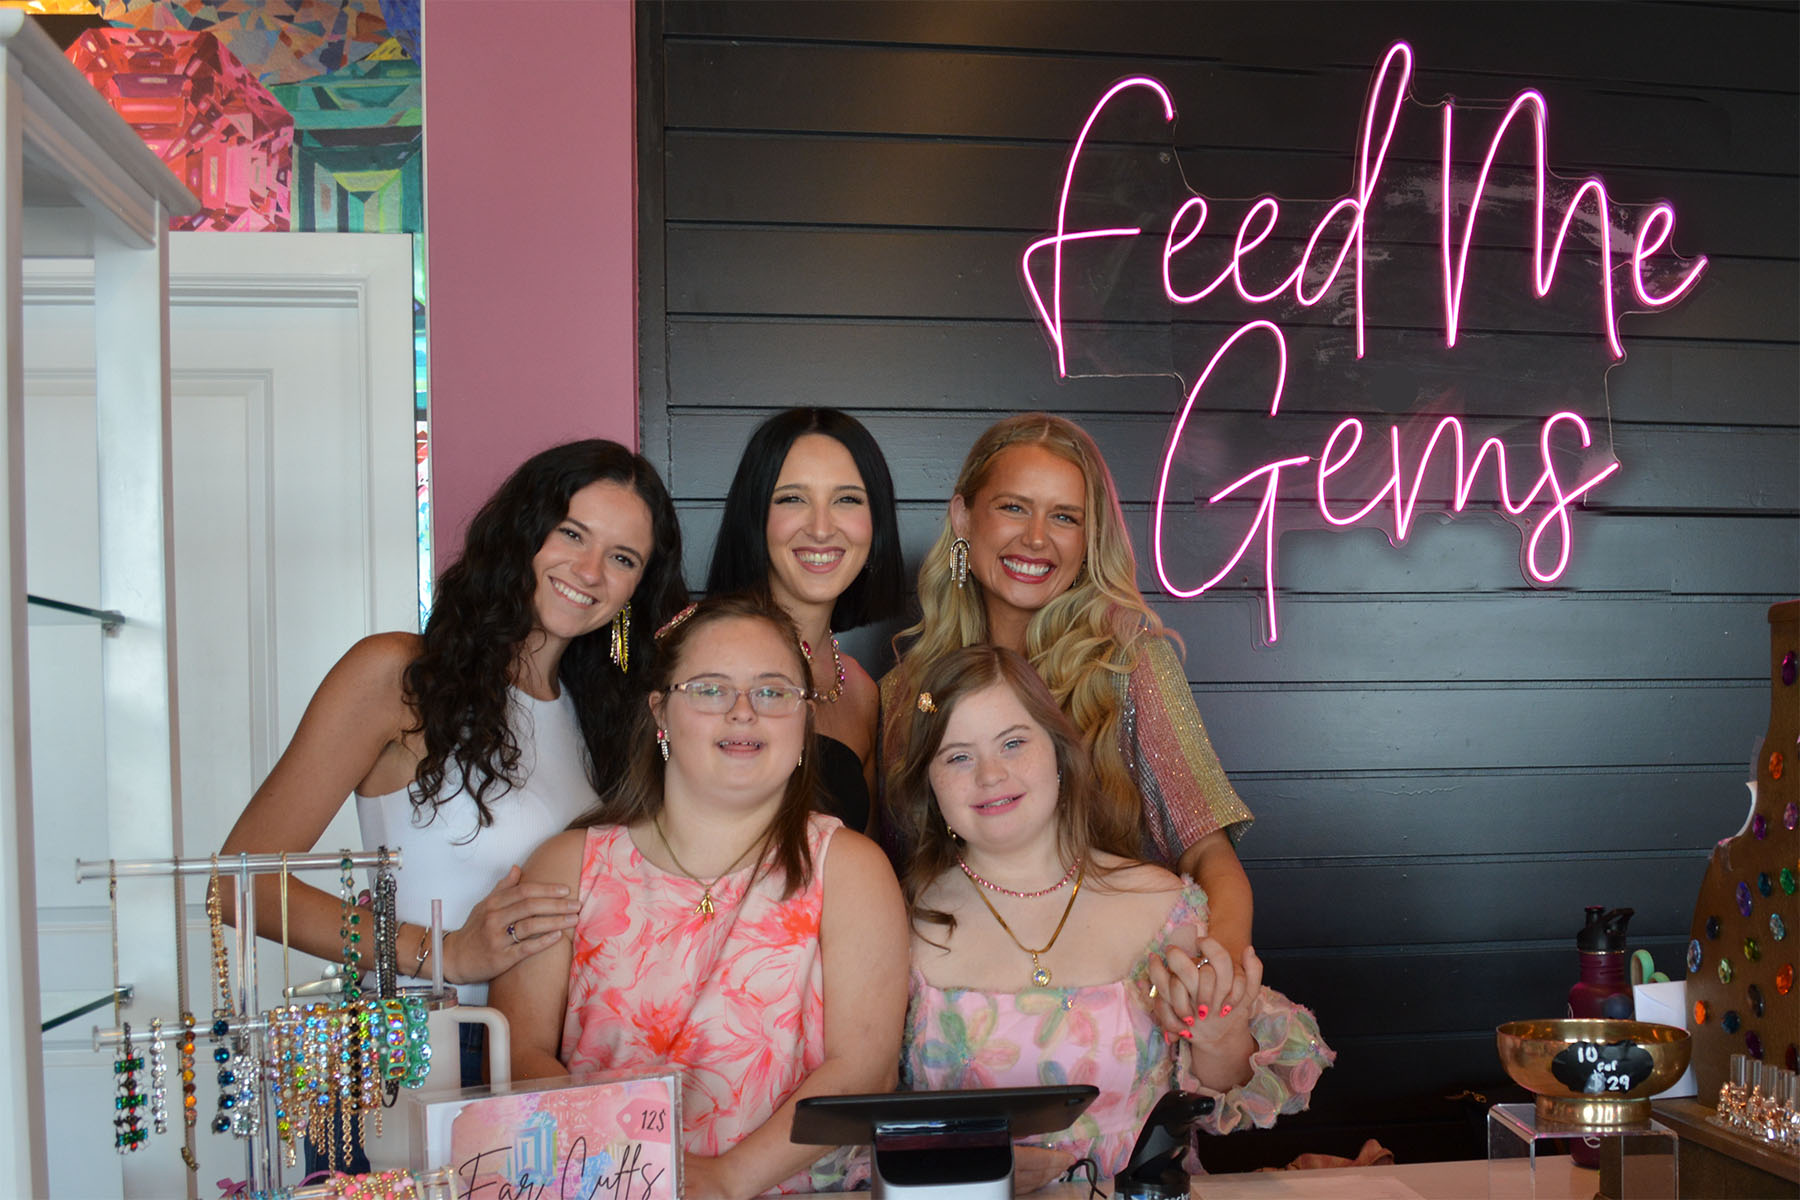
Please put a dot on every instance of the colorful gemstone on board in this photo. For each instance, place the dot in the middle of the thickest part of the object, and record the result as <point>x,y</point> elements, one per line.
<point>1712,928</point>
<point>1743,898</point>
<point>1776,765</point>
<point>1753,1043</point>
<point>1755,996</point>
<point>1784,979</point>
<point>1793,1057</point>
<point>1730,1022</point>
<point>1759,825</point>
<point>1777,927</point>
<point>1764,884</point>
<point>1726,970</point>
<point>1695,956</point>
<point>1699,1012</point>
<point>1752,951</point>
<point>1787,880</point>
<point>1790,816</point>
<point>1789,668</point>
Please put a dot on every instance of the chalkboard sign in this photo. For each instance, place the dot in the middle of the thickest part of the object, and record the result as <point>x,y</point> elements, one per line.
<point>1594,1069</point>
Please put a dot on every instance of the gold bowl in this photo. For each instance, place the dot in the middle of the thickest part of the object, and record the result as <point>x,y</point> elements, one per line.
<point>1593,1074</point>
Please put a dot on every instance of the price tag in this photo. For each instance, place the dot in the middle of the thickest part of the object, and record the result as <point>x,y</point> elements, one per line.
<point>1594,1069</point>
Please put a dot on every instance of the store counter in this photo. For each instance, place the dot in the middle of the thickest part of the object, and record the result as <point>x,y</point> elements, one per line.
<point>1558,1179</point>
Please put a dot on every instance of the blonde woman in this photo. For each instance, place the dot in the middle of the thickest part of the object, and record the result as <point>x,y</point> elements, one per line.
<point>1034,557</point>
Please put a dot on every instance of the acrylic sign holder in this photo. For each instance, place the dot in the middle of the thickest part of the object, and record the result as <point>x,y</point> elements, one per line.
<point>1648,1155</point>
<point>261,1151</point>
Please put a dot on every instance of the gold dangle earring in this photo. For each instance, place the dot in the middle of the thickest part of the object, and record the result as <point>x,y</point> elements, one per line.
<point>621,634</point>
<point>959,561</point>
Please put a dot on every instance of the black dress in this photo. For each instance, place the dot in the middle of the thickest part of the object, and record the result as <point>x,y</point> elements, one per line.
<point>846,791</point>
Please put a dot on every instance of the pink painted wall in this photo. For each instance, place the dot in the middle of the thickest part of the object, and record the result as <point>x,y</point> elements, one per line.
<point>531,202</point>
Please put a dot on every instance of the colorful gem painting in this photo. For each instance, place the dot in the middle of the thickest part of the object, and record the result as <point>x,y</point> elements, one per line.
<point>205,115</point>
<point>287,40</point>
<point>358,165</point>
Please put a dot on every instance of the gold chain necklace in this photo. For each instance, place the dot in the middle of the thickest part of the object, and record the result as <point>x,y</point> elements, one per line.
<point>707,906</point>
<point>1040,974</point>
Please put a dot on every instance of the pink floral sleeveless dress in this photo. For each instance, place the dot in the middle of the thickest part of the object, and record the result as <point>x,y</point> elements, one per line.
<point>1104,1035</point>
<point>735,1000</point>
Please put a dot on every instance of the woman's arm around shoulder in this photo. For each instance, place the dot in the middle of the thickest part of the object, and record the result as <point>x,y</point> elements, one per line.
<point>864,940</point>
<point>534,992</point>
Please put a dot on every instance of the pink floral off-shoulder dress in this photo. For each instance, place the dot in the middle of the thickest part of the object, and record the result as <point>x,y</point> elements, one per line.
<point>1103,1035</point>
<point>735,999</point>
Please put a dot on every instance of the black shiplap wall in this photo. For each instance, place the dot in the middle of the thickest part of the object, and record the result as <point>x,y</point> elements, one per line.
<point>1445,765</point>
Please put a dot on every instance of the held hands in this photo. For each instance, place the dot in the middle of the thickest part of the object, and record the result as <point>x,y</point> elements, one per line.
<point>1207,1002</point>
<point>508,925</point>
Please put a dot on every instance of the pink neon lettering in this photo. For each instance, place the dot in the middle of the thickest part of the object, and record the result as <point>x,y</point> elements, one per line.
<point>1542,561</point>
<point>1653,234</point>
<point>1053,319</point>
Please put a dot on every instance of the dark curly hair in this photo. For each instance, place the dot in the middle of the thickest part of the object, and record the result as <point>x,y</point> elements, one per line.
<point>483,614</point>
<point>639,794</point>
<point>740,560</point>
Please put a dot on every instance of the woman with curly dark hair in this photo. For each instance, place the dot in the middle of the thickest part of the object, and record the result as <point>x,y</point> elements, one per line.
<point>466,746</point>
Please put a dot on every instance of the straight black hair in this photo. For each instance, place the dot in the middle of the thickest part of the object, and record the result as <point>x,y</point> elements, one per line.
<point>740,560</point>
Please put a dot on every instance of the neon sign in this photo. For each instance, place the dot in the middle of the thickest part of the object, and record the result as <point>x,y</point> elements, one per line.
<point>1392,479</point>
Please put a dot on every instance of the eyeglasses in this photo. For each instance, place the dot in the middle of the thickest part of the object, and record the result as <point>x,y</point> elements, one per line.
<point>768,699</point>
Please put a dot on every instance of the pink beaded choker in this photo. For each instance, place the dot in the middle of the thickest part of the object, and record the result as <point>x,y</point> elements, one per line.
<point>1058,886</point>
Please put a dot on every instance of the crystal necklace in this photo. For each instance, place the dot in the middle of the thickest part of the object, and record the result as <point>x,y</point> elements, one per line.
<point>707,906</point>
<point>1040,974</point>
<point>837,661</point>
<point>1005,891</point>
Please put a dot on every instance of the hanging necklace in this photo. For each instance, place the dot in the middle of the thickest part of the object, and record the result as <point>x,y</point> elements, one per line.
<point>1040,974</point>
<point>837,661</point>
<point>994,887</point>
<point>707,905</point>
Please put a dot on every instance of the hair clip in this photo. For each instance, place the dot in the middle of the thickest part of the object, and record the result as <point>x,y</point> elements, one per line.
<point>926,703</point>
<point>673,622</point>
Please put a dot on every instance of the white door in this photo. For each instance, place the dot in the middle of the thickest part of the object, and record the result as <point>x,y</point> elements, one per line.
<point>295,534</point>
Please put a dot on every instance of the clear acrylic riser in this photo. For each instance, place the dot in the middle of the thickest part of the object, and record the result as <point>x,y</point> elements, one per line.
<point>1642,1158</point>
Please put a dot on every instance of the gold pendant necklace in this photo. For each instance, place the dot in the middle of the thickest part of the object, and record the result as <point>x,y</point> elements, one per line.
<point>707,906</point>
<point>1040,974</point>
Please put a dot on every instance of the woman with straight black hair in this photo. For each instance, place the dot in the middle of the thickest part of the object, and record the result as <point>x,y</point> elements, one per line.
<point>469,744</point>
<point>810,523</point>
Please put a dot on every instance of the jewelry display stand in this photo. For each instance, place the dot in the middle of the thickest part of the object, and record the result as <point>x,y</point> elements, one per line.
<point>1647,1155</point>
<point>262,1149</point>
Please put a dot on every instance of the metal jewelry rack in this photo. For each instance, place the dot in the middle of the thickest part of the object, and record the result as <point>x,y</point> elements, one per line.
<point>261,1151</point>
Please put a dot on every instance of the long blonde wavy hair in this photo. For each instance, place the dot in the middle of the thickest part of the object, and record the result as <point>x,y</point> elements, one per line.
<point>1081,642</point>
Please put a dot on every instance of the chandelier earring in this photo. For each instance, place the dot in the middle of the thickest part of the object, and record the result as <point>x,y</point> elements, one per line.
<point>959,562</point>
<point>621,638</point>
<point>662,743</point>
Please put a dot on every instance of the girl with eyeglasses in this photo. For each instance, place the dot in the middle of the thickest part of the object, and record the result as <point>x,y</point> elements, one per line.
<point>726,927</point>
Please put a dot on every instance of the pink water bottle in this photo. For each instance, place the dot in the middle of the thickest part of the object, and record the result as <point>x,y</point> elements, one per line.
<point>1604,990</point>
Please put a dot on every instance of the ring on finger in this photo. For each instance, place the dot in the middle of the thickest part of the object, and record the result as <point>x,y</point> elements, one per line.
<point>512,931</point>
<point>1153,991</point>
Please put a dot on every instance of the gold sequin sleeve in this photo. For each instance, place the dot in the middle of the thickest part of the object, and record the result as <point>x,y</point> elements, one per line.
<point>1185,790</point>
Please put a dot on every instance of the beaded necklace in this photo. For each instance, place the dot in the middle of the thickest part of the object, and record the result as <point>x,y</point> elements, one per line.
<point>837,661</point>
<point>1004,891</point>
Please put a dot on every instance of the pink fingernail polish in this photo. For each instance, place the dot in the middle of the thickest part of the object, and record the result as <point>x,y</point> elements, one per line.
<point>1188,1034</point>
<point>1226,1011</point>
<point>1200,1012</point>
